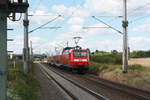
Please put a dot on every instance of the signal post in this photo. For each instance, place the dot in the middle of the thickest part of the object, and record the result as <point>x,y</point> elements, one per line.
<point>7,7</point>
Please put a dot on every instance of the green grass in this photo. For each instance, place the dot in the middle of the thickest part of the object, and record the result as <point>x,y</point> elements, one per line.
<point>136,67</point>
<point>106,57</point>
<point>137,75</point>
<point>21,86</point>
<point>96,68</point>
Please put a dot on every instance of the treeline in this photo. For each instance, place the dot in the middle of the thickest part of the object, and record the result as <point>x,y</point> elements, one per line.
<point>140,54</point>
<point>115,57</point>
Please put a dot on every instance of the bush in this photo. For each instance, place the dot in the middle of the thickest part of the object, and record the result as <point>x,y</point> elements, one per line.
<point>22,85</point>
<point>140,54</point>
<point>106,57</point>
<point>136,67</point>
<point>96,68</point>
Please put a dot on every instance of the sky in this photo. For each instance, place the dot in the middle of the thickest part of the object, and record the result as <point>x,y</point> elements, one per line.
<point>77,14</point>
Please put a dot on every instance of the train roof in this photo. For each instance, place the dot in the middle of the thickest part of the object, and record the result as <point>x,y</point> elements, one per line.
<point>68,48</point>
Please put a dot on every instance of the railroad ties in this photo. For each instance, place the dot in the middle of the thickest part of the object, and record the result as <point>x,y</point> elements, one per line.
<point>74,90</point>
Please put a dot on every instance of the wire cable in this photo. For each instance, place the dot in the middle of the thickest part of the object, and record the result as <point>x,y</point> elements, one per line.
<point>107,25</point>
<point>44,24</point>
<point>138,8</point>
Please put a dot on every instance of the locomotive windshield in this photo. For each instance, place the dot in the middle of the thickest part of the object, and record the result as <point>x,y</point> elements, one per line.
<point>80,53</point>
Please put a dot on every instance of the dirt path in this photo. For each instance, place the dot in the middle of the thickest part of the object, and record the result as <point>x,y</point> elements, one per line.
<point>47,89</point>
<point>142,61</point>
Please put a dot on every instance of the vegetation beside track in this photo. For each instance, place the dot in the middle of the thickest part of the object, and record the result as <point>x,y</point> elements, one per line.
<point>107,65</point>
<point>113,57</point>
<point>21,86</point>
<point>140,54</point>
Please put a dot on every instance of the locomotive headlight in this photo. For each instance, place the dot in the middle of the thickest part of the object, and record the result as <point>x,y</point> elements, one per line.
<point>76,59</point>
<point>80,60</point>
<point>84,59</point>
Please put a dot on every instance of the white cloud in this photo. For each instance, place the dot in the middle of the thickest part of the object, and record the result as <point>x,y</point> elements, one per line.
<point>111,7</point>
<point>70,11</point>
<point>138,8</point>
<point>41,45</point>
<point>115,7</point>
<point>76,28</point>
<point>139,43</point>
<point>143,27</point>
<point>61,9</point>
<point>36,18</point>
<point>76,21</point>
<point>95,30</point>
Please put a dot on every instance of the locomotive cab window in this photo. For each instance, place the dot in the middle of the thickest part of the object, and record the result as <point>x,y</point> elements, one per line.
<point>66,52</point>
<point>80,53</point>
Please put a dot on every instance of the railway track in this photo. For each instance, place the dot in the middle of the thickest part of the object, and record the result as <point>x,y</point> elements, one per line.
<point>138,93</point>
<point>73,89</point>
<point>121,91</point>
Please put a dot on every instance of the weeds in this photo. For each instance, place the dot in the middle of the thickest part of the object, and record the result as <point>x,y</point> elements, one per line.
<point>106,57</point>
<point>136,67</point>
<point>21,85</point>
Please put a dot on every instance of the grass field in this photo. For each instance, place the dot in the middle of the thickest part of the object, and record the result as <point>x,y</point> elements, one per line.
<point>137,75</point>
<point>142,61</point>
<point>21,86</point>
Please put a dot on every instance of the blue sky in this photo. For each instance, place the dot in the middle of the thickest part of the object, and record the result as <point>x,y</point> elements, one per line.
<point>76,14</point>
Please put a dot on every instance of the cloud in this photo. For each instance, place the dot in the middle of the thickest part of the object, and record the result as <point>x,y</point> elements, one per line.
<point>138,8</point>
<point>61,9</point>
<point>115,7</point>
<point>37,17</point>
<point>110,7</point>
<point>16,45</point>
<point>76,28</point>
<point>70,11</point>
<point>139,43</point>
<point>40,45</point>
<point>76,21</point>
<point>143,27</point>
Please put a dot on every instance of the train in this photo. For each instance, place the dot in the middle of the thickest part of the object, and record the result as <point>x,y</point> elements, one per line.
<point>73,58</point>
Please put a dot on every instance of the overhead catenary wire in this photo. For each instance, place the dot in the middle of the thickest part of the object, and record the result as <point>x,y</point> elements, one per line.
<point>45,24</point>
<point>107,25</point>
<point>138,19</point>
<point>31,15</point>
<point>138,8</point>
<point>72,13</point>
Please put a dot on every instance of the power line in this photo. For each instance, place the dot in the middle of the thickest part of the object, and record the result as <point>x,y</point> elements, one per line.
<point>107,25</point>
<point>137,19</point>
<point>40,15</point>
<point>44,24</point>
<point>143,6</point>
<point>111,16</point>
<point>72,13</point>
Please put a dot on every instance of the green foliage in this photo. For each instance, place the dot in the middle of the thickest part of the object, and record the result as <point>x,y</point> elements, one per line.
<point>96,68</point>
<point>107,57</point>
<point>136,67</point>
<point>140,54</point>
<point>23,85</point>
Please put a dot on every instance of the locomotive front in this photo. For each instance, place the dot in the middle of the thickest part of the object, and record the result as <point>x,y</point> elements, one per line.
<point>80,59</point>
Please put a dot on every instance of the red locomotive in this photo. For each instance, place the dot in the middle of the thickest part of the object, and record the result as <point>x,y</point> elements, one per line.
<point>74,58</point>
